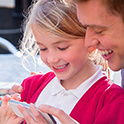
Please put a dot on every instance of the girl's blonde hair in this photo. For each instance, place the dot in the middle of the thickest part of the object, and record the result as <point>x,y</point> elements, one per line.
<point>56,17</point>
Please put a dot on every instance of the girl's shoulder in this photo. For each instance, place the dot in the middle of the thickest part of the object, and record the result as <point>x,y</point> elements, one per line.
<point>34,84</point>
<point>40,76</point>
<point>38,79</point>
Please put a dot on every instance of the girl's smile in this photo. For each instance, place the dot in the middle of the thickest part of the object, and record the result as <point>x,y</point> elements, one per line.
<point>60,68</point>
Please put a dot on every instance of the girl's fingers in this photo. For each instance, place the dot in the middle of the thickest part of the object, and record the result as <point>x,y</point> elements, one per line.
<point>18,120</point>
<point>37,114</point>
<point>17,88</point>
<point>28,118</point>
<point>6,98</point>
<point>16,96</point>
<point>61,115</point>
<point>37,117</point>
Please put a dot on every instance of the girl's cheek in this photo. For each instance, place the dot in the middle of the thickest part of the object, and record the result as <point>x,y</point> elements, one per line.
<point>43,58</point>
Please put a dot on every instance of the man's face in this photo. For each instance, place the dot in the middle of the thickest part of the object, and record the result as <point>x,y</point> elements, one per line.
<point>103,30</point>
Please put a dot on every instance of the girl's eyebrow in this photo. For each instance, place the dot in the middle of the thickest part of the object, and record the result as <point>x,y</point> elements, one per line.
<point>61,41</point>
<point>58,42</point>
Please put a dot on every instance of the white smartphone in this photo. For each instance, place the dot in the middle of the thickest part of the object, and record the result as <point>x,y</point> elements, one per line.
<point>13,104</point>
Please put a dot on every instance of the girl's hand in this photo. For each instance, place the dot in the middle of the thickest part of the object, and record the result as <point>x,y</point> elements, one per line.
<point>61,115</point>
<point>7,116</point>
<point>17,88</point>
<point>29,119</point>
<point>16,96</point>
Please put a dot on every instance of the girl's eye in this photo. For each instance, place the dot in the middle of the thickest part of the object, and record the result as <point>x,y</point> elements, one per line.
<point>43,49</point>
<point>64,48</point>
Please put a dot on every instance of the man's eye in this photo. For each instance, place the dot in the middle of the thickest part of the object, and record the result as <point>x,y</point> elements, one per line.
<point>98,32</point>
<point>43,49</point>
<point>64,48</point>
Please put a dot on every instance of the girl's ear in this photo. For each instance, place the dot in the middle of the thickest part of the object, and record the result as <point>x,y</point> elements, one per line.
<point>91,49</point>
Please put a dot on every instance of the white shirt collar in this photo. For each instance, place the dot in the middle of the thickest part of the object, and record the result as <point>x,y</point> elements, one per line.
<point>56,87</point>
<point>80,90</point>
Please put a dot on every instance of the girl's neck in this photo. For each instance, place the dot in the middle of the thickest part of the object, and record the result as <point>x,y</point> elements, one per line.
<point>79,78</point>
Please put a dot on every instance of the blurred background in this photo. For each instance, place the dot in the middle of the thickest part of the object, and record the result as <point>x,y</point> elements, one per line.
<point>11,16</point>
<point>11,69</point>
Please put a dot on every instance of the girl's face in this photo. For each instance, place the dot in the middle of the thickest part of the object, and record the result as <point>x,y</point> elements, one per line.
<point>66,57</point>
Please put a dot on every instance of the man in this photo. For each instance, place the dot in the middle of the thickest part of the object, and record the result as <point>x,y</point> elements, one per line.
<point>104,23</point>
<point>122,81</point>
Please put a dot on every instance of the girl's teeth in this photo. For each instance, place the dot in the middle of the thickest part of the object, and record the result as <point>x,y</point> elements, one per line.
<point>60,67</point>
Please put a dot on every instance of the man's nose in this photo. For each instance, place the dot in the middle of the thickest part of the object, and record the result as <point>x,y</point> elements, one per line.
<point>90,38</point>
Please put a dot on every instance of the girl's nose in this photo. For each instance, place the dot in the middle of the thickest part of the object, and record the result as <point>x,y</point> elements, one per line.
<point>52,58</point>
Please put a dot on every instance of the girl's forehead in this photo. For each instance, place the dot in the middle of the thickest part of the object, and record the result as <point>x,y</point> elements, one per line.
<point>47,36</point>
<point>40,31</point>
<point>37,32</point>
<point>44,37</point>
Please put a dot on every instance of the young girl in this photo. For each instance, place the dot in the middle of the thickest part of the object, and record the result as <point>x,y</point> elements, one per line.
<point>76,88</point>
